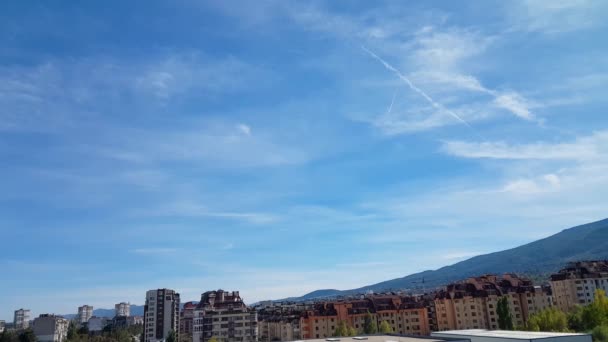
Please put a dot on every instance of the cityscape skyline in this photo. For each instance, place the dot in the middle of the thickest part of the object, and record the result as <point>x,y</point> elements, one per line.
<point>281,147</point>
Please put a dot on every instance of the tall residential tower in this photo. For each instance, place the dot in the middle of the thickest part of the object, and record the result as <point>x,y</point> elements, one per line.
<point>122,309</point>
<point>161,315</point>
<point>85,313</point>
<point>22,319</point>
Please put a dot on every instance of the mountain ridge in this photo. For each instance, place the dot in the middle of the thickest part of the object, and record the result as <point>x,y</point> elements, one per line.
<point>540,257</point>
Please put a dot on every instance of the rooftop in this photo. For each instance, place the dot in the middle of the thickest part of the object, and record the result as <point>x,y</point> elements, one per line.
<point>379,338</point>
<point>518,335</point>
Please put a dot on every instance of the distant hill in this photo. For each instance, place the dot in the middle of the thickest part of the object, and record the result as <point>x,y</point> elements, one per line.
<point>536,259</point>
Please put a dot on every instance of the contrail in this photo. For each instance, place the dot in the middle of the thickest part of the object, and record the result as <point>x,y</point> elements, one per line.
<point>416,89</point>
<point>390,108</point>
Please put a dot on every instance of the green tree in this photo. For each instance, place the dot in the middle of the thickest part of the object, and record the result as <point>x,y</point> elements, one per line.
<point>596,313</point>
<point>551,319</point>
<point>370,326</point>
<point>171,336</point>
<point>575,319</point>
<point>212,339</point>
<point>352,331</point>
<point>72,331</point>
<point>505,320</point>
<point>341,329</point>
<point>27,336</point>
<point>600,333</point>
<point>9,336</point>
<point>385,328</point>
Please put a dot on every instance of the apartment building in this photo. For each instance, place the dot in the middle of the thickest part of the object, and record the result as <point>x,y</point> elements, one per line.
<point>51,328</point>
<point>85,313</point>
<point>576,283</point>
<point>161,314</point>
<point>186,322</point>
<point>428,299</point>
<point>224,315</point>
<point>21,319</point>
<point>122,309</point>
<point>2,326</point>
<point>280,322</point>
<point>135,320</point>
<point>405,315</point>
<point>472,304</point>
<point>97,324</point>
<point>279,329</point>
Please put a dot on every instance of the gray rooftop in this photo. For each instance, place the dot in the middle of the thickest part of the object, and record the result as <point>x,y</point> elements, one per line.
<point>517,335</point>
<point>377,338</point>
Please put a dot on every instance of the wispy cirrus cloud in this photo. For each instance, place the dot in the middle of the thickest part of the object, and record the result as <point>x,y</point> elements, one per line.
<point>554,17</point>
<point>591,147</point>
<point>189,208</point>
<point>158,251</point>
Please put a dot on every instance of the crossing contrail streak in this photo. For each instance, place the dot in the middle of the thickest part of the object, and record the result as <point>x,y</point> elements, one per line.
<point>390,108</point>
<point>416,89</point>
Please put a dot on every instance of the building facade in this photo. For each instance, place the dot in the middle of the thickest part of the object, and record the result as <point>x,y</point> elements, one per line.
<point>472,304</point>
<point>122,309</point>
<point>97,324</point>
<point>225,316</point>
<point>2,326</point>
<point>21,319</point>
<point>50,328</point>
<point>576,284</point>
<point>85,313</point>
<point>135,320</point>
<point>404,315</point>
<point>186,321</point>
<point>161,315</point>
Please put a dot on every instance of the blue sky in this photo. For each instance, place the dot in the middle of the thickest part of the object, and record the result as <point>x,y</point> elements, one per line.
<point>280,147</point>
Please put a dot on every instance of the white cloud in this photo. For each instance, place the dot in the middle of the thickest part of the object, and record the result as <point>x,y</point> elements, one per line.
<point>154,251</point>
<point>188,208</point>
<point>584,148</point>
<point>558,16</point>
<point>515,103</point>
<point>545,183</point>
<point>244,129</point>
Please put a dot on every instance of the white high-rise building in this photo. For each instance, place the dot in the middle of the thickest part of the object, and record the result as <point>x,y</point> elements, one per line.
<point>85,313</point>
<point>22,319</point>
<point>122,309</point>
<point>161,315</point>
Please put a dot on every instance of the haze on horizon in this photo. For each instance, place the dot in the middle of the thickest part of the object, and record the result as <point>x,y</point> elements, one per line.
<point>280,147</point>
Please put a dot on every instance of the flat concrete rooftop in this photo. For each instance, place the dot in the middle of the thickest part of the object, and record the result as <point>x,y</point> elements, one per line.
<point>516,335</point>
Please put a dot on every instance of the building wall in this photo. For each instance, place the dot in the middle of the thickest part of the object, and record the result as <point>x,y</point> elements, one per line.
<point>96,324</point>
<point>569,293</point>
<point>49,328</point>
<point>161,314</point>
<point>186,322</point>
<point>85,313</point>
<point>21,319</point>
<point>225,316</point>
<point>412,321</point>
<point>279,330</point>
<point>122,309</point>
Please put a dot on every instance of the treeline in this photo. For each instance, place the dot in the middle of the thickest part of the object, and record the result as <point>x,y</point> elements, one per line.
<point>131,333</point>
<point>75,334</point>
<point>23,336</point>
<point>370,327</point>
